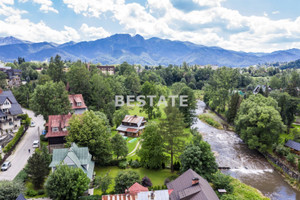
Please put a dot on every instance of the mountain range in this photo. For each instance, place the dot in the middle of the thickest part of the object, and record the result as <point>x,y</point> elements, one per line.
<point>137,50</point>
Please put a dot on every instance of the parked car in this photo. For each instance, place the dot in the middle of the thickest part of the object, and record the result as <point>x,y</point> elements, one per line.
<point>5,166</point>
<point>35,144</point>
<point>32,124</point>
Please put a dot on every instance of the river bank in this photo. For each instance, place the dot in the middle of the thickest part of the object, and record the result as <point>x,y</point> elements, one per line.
<point>249,166</point>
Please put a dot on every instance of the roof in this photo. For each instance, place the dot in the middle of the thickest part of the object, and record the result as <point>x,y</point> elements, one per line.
<point>130,129</point>
<point>183,188</point>
<point>119,197</point>
<point>158,195</point>
<point>15,106</point>
<point>59,121</point>
<point>136,188</point>
<point>21,197</point>
<point>133,119</point>
<point>74,98</point>
<point>74,156</point>
<point>292,144</point>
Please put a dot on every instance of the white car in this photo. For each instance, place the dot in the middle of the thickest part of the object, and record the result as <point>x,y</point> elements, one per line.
<point>5,166</point>
<point>35,144</point>
<point>32,124</point>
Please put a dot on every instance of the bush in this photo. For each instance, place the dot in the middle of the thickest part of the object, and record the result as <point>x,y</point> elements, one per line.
<point>222,181</point>
<point>282,150</point>
<point>31,193</point>
<point>146,182</point>
<point>21,176</point>
<point>92,197</point>
<point>41,192</point>
<point>18,135</point>
<point>43,138</point>
<point>177,166</point>
<point>123,164</point>
<point>291,158</point>
<point>299,165</point>
<point>135,164</point>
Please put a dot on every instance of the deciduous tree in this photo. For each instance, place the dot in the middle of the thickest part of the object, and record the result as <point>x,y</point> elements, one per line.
<point>124,180</point>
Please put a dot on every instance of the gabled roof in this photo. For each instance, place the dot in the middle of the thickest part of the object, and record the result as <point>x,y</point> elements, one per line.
<point>74,98</point>
<point>292,144</point>
<point>15,106</point>
<point>183,188</point>
<point>74,156</point>
<point>59,121</point>
<point>21,197</point>
<point>133,119</point>
<point>136,188</point>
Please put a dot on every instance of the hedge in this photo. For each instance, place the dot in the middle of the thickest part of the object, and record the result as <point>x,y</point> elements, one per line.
<point>11,144</point>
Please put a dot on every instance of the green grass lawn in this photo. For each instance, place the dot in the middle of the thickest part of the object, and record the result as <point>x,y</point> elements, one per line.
<point>208,119</point>
<point>157,177</point>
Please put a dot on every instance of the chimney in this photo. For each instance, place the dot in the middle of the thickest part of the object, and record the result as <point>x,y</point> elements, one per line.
<point>151,196</point>
<point>195,181</point>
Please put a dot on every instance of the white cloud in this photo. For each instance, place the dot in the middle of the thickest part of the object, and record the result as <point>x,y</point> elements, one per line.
<point>36,32</point>
<point>46,5</point>
<point>211,3</point>
<point>90,33</point>
<point>275,12</point>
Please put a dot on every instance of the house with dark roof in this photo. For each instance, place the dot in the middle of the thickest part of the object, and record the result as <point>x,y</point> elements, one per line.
<point>191,186</point>
<point>21,197</point>
<point>295,146</point>
<point>9,111</point>
<point>57,130</point>
<point>78,157</point>
<point>13,76</point>
<point>77,103</point>
<point>107,70</point>
<point>132,126</point>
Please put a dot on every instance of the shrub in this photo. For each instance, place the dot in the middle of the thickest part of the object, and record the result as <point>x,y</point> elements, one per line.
<point>21,176</point>
<point>31,193</point>
<point>123,164</point>
<point>291,158</point>
<point>18,135</point>
<point>43,138</point>
<point>146,182</point>
<point>222,181</point>
<point>41,192</point>
<point>176,166</point>
<point>135,164</point>
<point>92,197</point>
<point>282,150</point>
<point>299,165</point>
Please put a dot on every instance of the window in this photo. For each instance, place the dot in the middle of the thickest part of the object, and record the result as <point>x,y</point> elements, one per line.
<point>78,103</point>
<point>6,102</point>
<point>54,129</point>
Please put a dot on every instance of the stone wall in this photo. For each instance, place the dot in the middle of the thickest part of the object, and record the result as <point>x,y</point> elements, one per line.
<point>283,166</point>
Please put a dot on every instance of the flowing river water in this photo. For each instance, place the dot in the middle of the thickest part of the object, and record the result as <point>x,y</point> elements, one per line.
<point>247,165</point>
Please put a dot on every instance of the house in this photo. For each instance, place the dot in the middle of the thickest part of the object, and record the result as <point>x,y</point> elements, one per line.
<point>21,197</point>
<point>13,76</point>
<point>191,186</point>
<point>108,70</point>
<point>57,130</point>
<point>132,126</point>
<point>9,111</point>
<point>137,188</point>
<point>77,103</point>
<point>78,157</point>
<point>139,192</point>
<point>295,146</point>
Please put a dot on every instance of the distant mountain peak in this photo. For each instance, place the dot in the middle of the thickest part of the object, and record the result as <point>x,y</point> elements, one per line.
<point>135,49</point>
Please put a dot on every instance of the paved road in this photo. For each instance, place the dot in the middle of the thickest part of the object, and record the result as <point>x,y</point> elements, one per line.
<point>20,156</point>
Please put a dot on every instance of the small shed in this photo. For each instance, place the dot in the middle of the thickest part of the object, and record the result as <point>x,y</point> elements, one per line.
<point>295,146</point>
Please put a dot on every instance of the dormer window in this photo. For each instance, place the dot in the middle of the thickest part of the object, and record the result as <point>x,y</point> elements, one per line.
<point>78,103</point>
<point>54,129</point>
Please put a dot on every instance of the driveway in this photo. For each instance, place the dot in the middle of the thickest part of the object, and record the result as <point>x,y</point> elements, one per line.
<point>20,156</point>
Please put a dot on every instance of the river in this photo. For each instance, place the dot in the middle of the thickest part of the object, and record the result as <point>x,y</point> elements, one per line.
<point>247,165</point>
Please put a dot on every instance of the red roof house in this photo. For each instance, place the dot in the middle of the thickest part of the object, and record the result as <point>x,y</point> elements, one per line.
<point>57,128</point>
<point>137,188</point>
<point>77,103</point>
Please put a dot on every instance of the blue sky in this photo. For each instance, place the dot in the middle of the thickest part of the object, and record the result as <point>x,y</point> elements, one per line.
<point>243,25</point>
